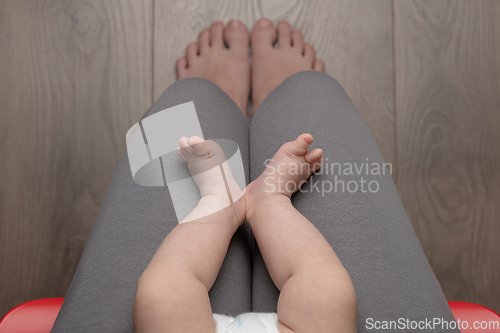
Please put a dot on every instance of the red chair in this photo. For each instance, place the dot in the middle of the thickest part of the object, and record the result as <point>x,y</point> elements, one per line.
<point>38,316</point>
<point>474,318</point>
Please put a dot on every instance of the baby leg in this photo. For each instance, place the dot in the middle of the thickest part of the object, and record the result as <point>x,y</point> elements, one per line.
<point>317,294</point>
<point>174,287</point>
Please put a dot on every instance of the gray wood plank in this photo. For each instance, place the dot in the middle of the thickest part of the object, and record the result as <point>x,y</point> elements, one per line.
<point>75,76</point>
<point>447,81</point>
<point>354,38</point>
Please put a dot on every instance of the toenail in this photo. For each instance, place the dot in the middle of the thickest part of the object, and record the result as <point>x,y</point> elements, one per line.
<point>233,24</point>
<point>264,23</point>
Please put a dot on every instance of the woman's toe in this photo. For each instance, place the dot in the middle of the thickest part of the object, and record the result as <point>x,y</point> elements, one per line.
<point>263,34</point>
<point>204,39</point>
<point>181,67</point>
<point>297,40</point>
<point>284,35</point>
<point>217,31</point>
<point>236,36</point>
<point>319,65</point>
<point>192,51</point>
<point>309,52</point>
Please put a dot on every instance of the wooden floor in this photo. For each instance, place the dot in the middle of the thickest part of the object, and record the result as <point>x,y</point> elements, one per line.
<point>75,75</point>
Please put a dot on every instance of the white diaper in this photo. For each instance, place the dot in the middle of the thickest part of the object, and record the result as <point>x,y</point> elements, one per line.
<point>251,322</point>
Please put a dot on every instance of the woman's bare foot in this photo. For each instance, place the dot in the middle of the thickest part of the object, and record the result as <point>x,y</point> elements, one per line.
<point>270,66</point>
<point>228,68</point>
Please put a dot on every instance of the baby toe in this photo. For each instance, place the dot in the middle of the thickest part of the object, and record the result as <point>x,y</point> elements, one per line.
<point>313,156</point>
<point>300,145</point>
<point>194,140</point>
<point>181,154</point>
<point>199,146</point>
<point>184,146</point>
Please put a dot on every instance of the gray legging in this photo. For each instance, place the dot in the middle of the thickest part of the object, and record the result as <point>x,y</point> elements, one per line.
<point>370,232</point>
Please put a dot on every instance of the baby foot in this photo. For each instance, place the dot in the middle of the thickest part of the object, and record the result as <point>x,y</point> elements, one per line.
<point>229,68</point>
<point>288,170</point>
<point>210,170</point>
<point>270,65</point>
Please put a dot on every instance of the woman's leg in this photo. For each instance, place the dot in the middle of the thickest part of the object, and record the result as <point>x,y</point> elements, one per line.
<point>135,219</point>
<point>360,214</point>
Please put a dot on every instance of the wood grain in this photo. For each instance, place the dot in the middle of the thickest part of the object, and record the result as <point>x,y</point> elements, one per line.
<point>447,79</point>
<point>75,76</point>
<point>354,38</point>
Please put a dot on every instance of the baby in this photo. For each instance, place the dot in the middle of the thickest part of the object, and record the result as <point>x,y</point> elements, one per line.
<point>316,292</point>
